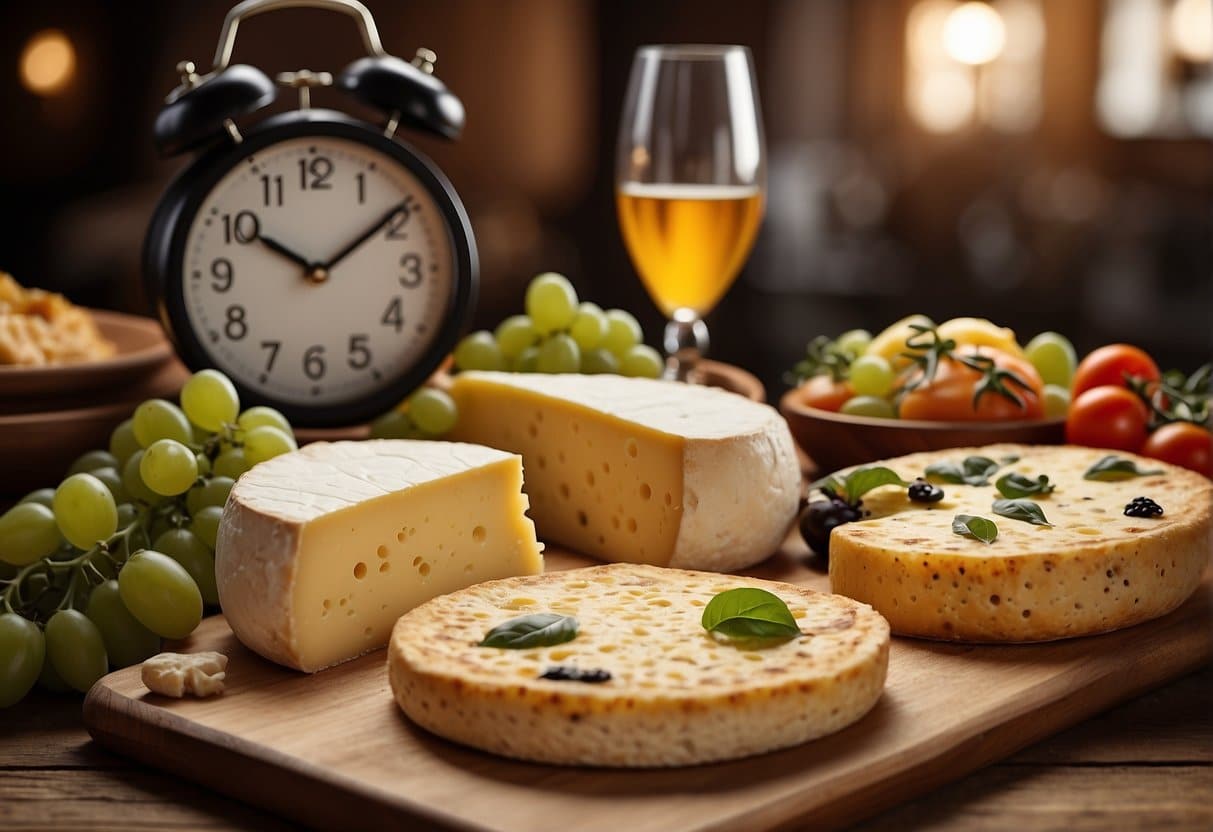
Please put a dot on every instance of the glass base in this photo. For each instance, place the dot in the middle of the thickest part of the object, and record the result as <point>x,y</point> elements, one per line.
<point>685,342</point>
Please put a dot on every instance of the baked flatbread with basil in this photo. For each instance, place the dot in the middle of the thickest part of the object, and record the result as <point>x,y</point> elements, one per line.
<point>1092,570</point>
<point>676,694</point>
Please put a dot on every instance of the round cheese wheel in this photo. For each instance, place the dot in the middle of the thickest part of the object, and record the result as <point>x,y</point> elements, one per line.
<point>1093,570</point>
<point>676,694</point>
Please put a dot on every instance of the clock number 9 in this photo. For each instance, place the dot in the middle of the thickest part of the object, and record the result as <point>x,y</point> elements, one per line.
<point>411,263</point>
<point>244,228</point>
<point>221,269</point>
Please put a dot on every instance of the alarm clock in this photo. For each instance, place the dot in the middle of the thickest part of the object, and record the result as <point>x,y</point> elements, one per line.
<point>320,262</point>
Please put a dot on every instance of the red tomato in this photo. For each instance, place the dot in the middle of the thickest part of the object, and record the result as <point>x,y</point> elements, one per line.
<point>949,396</point>
<point>1107,417</point>
<point>1109,365</point>
<point>1183,444</point>
<point>824,393</point>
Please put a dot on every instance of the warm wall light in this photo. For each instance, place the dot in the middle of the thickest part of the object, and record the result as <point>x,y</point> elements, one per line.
<point>1192,30</point>
<point>974,33</point>
<point>48,62</point>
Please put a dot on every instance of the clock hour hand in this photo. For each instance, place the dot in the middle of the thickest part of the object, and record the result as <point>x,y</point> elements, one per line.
<point>364,236</point>
<point>274,245</point>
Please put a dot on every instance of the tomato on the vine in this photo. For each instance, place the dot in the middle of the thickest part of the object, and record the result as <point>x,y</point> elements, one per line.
<point>824,393</point>
<point>1182,443</point>
<point>948,396</point>
<point>1109,365</point>
<point>1107,417</point>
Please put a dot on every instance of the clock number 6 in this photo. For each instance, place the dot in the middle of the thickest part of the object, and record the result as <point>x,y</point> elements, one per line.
<point>313,362</point>
<point>411,263</point>
<point>360,356</point>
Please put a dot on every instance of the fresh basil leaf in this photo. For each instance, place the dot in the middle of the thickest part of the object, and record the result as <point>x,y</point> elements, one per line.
<point>1009,460</point>
<point>1017,485</point>
<point>854,485</point>
<point>968,525</point>
<point>748,612</point>
<point>1025,510</point>
<point>542,629</point>
<point>974,470</point>
<point>979,469</point>
<point>946,471</point>
<point>1113,467</point>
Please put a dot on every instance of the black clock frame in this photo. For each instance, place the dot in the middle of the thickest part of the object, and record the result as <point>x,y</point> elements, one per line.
<point>164,255</point>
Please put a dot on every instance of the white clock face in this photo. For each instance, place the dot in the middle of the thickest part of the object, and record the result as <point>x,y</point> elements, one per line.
<point>317,271</point>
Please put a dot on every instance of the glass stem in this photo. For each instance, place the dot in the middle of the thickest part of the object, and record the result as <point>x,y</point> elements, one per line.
<point>685,342</point>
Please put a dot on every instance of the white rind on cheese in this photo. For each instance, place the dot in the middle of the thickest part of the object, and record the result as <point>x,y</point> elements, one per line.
<point>639,470</point>
<point>677,696</point>
<point>1093,571</point>
<point>320,550</point>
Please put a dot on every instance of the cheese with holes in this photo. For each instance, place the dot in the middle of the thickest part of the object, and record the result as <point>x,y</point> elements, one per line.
<point>628,469</point>
<point>321,550</point>
<point>1093,570</point>
<point>676,694</point>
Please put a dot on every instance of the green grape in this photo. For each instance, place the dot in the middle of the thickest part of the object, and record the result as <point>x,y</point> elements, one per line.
<point>157,419</point>
<point>433,411</point>
<point>205,525</point>
<point>551,301</point>
<point>123,442</point>
<point>854,341</point>
<point>871,375</point>
<point>27,533</point>
<point>1056,401</point>
<point>113,481</point>
<point>160,593</point>
<point>22,649</point>
<point>260,416</point>
<point>394,425</point>
<point>43,496</point>
<point>265,443</point>
<point>127,514</point>
<point>85,510</point>
<point>559,354</point>
<point>527,361</point>
<point>589,327</point>
<point>168,467</point>
<point>1053,356</point>
<point>126,641</point>
<point>623,332</point>
<point>231,463</point>
<point>514,335</point>
<point>49,680</point>
<point>479,351</point>
<point>598,361</point>
<point>213,492</point>
<point>204,464</point>
<point>873,406</point>
<point>642,361</point>
<point>91,461</point>
<point>76,649</point>
<point>209,400</point>
<point>132,480</point>
<point>185,547</point>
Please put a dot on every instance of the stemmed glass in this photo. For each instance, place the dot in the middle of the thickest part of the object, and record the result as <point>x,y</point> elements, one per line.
<point>690,177</point>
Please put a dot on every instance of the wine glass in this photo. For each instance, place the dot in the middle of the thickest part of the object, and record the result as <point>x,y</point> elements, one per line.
<point>690,178</point>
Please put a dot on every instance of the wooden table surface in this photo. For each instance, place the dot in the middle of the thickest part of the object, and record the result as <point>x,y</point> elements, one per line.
<point>1145,764</point>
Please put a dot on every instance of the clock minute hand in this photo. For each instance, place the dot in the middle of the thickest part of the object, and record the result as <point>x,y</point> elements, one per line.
<point>364,236</point>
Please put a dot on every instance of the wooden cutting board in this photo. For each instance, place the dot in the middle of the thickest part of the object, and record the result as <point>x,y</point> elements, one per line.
<point>333,750</point>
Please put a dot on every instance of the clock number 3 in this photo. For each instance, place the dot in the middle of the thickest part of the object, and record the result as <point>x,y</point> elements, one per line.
<point>411,264</point>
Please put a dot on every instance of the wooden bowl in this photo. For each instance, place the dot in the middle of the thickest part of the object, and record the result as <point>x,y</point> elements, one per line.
<point>141,350</point>
<point>835,440</point>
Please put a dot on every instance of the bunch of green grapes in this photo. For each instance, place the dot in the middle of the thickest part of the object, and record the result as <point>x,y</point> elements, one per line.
<point>560,335</point>
<point>94,573</point>
<point>427,414</point>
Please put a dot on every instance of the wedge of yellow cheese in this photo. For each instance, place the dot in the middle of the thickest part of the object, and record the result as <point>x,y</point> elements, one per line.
<point>638,470</point>
<point>321,550</point>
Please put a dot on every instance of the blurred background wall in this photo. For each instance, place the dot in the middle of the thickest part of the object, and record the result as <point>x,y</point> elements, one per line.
<point>1045,163</point>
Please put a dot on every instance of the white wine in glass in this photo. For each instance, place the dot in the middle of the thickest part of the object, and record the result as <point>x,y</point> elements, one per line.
<point>690,183</point>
